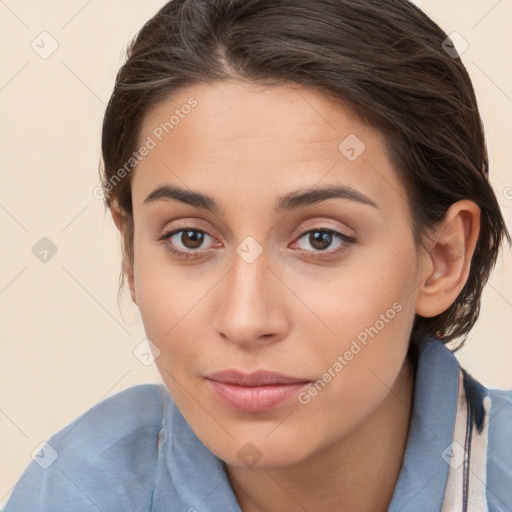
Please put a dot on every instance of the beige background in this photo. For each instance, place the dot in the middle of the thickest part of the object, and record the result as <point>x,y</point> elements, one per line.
<point>65,343</point>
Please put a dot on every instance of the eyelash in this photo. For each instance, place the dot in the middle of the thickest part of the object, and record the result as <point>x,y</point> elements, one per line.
<point>348,241</point>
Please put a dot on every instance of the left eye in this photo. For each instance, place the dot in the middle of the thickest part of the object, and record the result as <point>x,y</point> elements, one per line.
<point>321,239</point>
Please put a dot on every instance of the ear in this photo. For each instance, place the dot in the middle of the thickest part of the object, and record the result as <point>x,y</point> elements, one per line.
<point>120,220</point>
<point>448,259</point>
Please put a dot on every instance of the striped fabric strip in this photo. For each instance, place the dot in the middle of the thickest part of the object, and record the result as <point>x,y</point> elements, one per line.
<point>467,457</point>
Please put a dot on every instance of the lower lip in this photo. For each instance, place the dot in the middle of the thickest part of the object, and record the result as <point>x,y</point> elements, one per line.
<point>254,398</point>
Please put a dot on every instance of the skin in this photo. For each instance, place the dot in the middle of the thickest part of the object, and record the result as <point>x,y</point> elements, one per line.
<point>246,145</point>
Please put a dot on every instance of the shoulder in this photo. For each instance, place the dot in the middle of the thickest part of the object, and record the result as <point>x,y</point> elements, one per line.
<point>498,403</point>
<point>123,414</point>
<point>491,416</point>
<point>106,456</point>
<point>500,423</point>
<point>499,448</point>
<point>501,409</point>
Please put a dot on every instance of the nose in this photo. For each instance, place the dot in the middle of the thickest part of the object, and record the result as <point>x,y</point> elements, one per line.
<point>252,305</point>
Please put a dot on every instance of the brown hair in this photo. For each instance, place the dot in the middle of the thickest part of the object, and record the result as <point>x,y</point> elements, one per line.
<point>385,59</point>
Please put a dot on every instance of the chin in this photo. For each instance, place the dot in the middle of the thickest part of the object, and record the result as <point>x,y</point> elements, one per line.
<point>256,452</point>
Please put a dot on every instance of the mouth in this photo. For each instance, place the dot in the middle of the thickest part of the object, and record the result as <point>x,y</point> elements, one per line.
<point>253,392</point>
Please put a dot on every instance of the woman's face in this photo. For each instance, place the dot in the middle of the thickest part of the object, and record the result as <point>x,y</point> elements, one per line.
<point>269,276</point>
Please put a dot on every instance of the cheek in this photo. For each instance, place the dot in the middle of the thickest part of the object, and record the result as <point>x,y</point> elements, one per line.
<point>165,298</point>
<point>360,336</point>
<point>374,289</point>
<point>173,318</point>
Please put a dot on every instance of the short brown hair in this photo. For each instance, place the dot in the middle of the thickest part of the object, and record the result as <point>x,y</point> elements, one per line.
<point>383,58</point>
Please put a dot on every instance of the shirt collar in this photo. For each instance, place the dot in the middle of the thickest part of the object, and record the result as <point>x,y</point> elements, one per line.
<point>422,478</point>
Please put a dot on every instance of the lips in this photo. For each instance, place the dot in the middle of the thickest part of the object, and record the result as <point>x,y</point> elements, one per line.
<point>257,378</point>
<point>253,392</point>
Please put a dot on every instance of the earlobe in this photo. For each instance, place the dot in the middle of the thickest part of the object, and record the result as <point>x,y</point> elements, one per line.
<point>449,258</point>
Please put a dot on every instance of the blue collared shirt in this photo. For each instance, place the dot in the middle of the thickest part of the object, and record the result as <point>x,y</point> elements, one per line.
<point>135,452</point>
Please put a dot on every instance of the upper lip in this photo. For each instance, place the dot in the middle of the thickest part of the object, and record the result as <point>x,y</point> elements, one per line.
<point>256,378</point>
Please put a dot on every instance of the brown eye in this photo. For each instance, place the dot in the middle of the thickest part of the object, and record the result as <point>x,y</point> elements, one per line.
<point>191,238</point>
<point>186,242</point>
<point>322,239</point>
<point>319,242</point>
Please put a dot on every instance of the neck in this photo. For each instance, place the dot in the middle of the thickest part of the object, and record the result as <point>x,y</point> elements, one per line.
<point>359,472</point>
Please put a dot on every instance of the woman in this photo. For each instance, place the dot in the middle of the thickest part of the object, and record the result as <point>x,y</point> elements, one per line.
<point>303,197</point>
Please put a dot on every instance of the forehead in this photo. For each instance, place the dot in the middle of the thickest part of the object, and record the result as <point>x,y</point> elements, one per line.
<point>261,139</point>
<point>278,115</point>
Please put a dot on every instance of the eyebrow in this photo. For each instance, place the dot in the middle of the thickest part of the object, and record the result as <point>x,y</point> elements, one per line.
<point>287,202</point>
